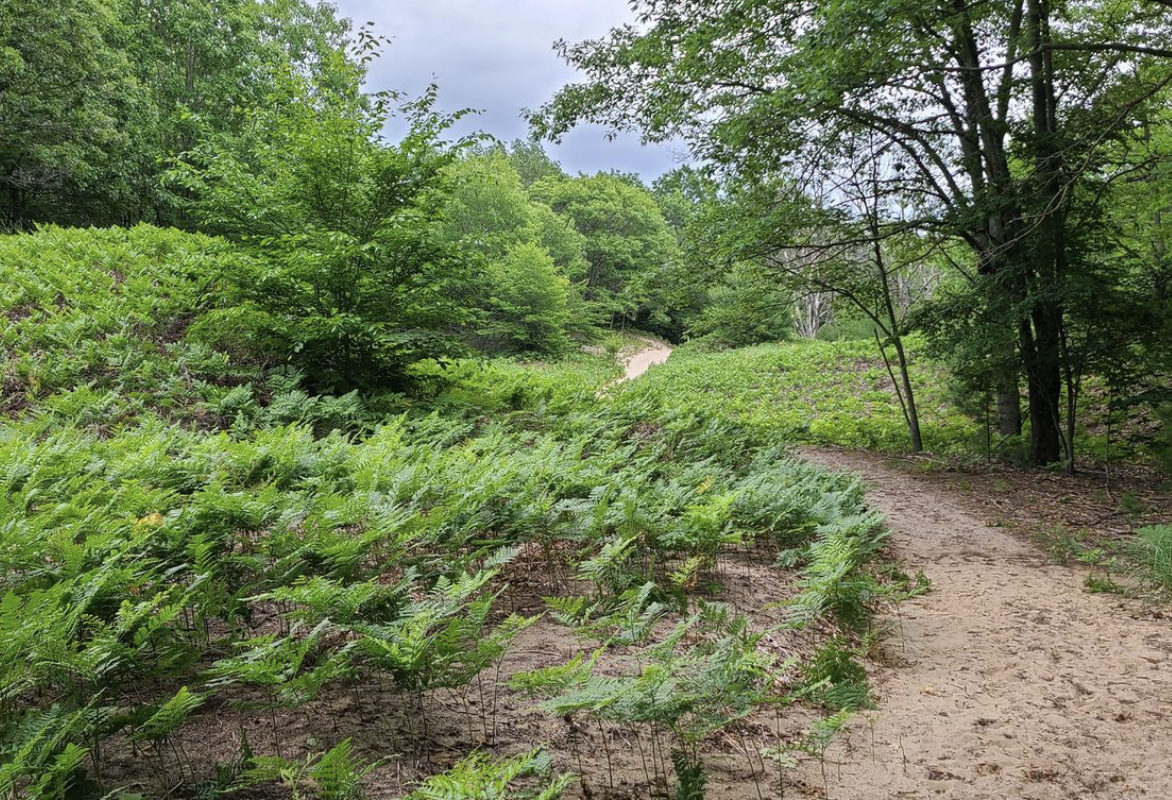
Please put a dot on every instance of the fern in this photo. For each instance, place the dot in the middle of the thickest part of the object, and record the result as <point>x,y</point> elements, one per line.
<point>690,776</point>
<point>478,777</point>
<point>835,679</point>
<point>336,774</point>
<point>168,718</point>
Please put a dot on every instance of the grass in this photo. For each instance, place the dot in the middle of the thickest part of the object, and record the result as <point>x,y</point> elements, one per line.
<point>1141,565</point>
<point>1152,551</point>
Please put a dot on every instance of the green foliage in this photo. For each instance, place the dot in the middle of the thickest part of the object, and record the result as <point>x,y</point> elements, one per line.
<point>1162,446</point>
<point>747,307</point>
<point>336,774</point>
<point>350,277</point>
<point>835,679</point>
<point>95,322</point>
<point>168,718</point>
<point>704,676</point>
<point>628,242</point>
<point>61,80</point>
<point>100,95</point>
<point>1153,553</point>
<point>842,173</point>
<point>690,776</point>
<point>146,552</point>
<point>525,777</point>
<point>818,392</point>
<point>487,207</point>
<point>531,162</point>
<point>253,463</point>
<point>529,304</point>
<point>835,581</point>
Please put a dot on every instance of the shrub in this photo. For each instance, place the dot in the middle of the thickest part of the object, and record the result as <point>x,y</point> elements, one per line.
<point>350,277</point>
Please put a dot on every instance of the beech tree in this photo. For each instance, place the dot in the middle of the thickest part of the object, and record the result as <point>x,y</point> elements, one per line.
<point>628,243</point>
<point>1002,114</point>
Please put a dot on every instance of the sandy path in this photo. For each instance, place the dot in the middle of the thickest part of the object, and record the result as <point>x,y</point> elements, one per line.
<point>656,352</point>
<point>1010,681</point>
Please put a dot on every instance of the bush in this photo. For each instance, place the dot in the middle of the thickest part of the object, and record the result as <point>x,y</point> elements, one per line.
<point>350,278</point>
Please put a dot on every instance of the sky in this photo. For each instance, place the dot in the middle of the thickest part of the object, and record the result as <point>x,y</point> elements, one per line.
<point>497,56</point>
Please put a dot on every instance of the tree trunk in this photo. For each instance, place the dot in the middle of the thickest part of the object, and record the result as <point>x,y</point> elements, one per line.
<point>1044,371</point>
<point>913,415</point>
<point>1009,407</point>
<point>1042,352</point>
<point>907,397</point>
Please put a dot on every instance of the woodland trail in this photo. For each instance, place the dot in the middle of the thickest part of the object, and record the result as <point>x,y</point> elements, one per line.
<point>1007,679</point>
<point>656,352</point>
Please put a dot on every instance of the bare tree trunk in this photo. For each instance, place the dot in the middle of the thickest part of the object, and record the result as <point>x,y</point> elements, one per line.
<point>812,312</point>
<point>908,398</point>
<point>913,412</point>
<point>1043,356</point>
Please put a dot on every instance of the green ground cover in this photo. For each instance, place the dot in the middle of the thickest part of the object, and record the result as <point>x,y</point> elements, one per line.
<point>814,392</point>
<point>185,534</point>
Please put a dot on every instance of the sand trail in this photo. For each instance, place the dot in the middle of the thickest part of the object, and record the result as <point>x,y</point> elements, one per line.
<point>1007,679</point>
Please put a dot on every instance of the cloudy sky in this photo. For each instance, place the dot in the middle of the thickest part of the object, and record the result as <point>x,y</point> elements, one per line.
<point>497,56</point>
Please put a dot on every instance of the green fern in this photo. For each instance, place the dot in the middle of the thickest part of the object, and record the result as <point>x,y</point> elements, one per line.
<point>168,718</point>
<point>336,774</point>
<point>690,776</point>
<point>478,777</point>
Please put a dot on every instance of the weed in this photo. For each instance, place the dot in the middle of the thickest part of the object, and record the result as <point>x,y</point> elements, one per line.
<point>1152,552</point>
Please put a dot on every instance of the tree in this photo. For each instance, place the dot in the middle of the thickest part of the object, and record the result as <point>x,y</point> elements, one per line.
<point>839,252</point>
<point>745,307</point>
<point>529,255</point>
<point>529,301</point>
<point>532,163</point>
<point>350,276</point>
<point>98,97</point>
<point>627,240</point>
<point>201,65</point>
<point>998,111</point>
<point>63,88</point>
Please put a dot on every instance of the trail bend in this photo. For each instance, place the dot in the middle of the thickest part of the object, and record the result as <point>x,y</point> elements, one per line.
<point>656,352</point>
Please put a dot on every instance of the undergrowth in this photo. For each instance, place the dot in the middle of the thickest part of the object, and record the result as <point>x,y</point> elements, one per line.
<point>182,532</point>
<point>834,393</point>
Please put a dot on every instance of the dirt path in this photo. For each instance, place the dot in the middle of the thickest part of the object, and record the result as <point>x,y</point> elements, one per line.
<point>1010,680</point>
<point>656,352</point>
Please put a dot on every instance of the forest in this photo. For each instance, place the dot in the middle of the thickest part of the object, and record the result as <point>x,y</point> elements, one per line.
<point>349,450</point>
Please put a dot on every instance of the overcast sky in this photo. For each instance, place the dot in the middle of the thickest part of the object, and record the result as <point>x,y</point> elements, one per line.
<point>497,56</point>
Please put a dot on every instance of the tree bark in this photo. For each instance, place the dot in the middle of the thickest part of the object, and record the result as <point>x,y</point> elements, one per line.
<point>1009,408</point>
<point>1042,351</point>
<point>1044,371</point>
<point>913,414</point>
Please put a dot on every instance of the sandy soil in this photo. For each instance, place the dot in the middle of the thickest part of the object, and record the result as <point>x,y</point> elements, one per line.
<point>420,736</point>
<point>1007,680</point>
<point>656,352</point>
